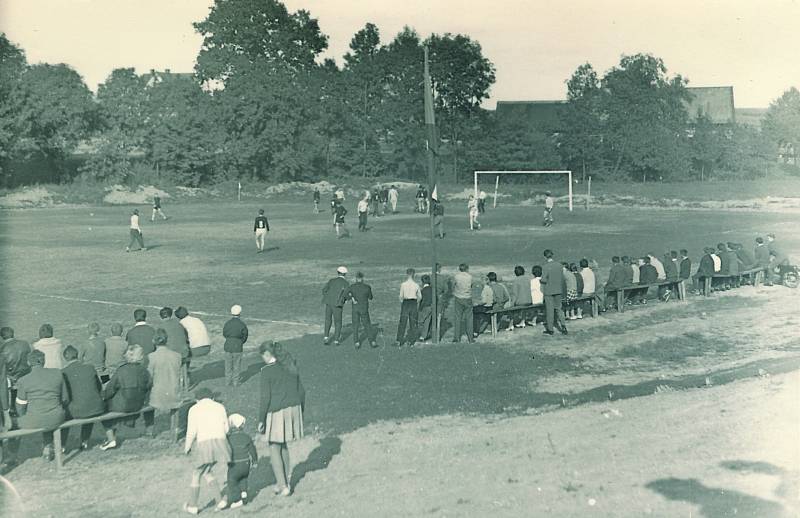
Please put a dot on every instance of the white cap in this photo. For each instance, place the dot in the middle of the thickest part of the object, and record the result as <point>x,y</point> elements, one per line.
<point>236,310</point>
<point>341,269</point>
<point>236,420</point>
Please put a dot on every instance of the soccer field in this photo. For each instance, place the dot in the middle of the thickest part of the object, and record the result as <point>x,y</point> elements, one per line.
<point>68,267</point>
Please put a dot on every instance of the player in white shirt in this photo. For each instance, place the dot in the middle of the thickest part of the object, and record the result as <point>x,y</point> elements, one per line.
<point>393,194</point>
<point>363,211</point>
<point>136,233</point>
<point>260,227</point>
<point>548,209</point>
<point>472,209</point>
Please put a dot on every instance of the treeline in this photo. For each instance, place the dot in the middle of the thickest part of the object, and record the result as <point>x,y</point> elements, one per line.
<point>261,105</point>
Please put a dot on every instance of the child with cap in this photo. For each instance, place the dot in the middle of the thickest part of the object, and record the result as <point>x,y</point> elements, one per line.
<point>243,457</point>
<point>235,333</point>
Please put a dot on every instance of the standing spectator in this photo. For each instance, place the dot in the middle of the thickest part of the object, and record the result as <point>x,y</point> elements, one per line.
<point>51,347</point>
<point>260,227</point>
<point>521,295</point>
<point>164,367</point>
<point>14,354</point>
<point>141,333</point>
<point>552,288</point>
<point>549,204</point>
<point>280,415</point>
<point>235,333</point>
<point>762,259</point>
<point>243,458</point>
<point>410,294</point>
<point>94,352</point>
<point>360,293</point>
<point>41,396</point>
<point>115,351</point>
<point>462,305</point>
<point>333,296</point>
<point>177,340</point>
<point>685,267</point>
<point>393,195</point>
<point>781,259</point>
<point>199,341</point>
<point>363,211</point>
<point>206,435</point>
<point>136,233</point>
<point>482,202</point>
<point>438,218</point>
<point>84,388</point>
<point>5,406</point>
<point>339,193</point>
<point>316,200</point>
<point>424,200</point>
<point>426,309</point>
<point>444,290</point>
<point>127,392</point>
<point>340,225</point>
<point>157,208</point>
<point>472,211</point>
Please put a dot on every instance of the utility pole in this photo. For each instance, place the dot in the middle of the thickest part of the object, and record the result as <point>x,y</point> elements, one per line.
<point>430,126</point>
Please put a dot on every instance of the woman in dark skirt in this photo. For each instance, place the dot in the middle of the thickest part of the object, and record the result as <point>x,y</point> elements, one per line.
<point>280,416</point>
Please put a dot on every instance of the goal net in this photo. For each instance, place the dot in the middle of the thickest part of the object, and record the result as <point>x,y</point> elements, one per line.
<point>494,178</point>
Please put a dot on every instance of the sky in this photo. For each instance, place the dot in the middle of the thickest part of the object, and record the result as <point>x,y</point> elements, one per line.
<point>535,45</point>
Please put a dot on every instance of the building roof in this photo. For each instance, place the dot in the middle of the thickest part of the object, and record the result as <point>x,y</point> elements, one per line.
<point>750,116</point>
<point>715,102</point>
<point>545,116</point>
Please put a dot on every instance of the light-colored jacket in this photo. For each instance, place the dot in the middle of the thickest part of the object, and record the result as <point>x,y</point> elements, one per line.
<point>207,420</point>
<point>164,366</point>
<point>52,349</point>
<point>537,296</point>
<point>196,329</point>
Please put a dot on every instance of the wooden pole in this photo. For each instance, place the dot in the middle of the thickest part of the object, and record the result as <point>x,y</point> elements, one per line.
<point>496,185</point>
<point>588,191</point>
<point>430,126</point>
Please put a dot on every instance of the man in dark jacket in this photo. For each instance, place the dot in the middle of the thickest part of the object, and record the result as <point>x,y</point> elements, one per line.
<point>685,265</point>
<point>333,296</point>
<point>704,269</point>
<point>235,333</point>
<point>648,274</point>
<point>745,257</point>
<point>616,280</point>
<point>83,387</point>
<point>177,340</point>
<point>552,289</point>
<point>361,293</point>
<point>15,355</point>
<point>141,333</point>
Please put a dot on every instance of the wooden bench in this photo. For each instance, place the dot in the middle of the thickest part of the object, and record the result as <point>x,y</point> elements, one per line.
<point>679,285</point>
<point>493,313</point>
<point>13,434</point>
<point>756,275</point>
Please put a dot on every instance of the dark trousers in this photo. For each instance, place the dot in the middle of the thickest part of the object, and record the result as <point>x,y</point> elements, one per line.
<point>334,313</point>
<point>480,319</point>
<point>136,237</point>
<point>237,480</point>
<point>438,226</point>
<point>362,221</point>
<point>86,434</point>
<point>462,314</point>
<point>408,315</point>
<point>111,424</point>
<point>553,313</point>
<point>362,318</point>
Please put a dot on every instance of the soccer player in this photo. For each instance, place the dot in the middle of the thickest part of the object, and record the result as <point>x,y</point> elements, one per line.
<point>360,293</point>
<point>393,194</point>
<point>472,209</point>
<point>341,228</point>
<point>375,201</point>
<point>438,218</point>
<point>482,202</point>
<point>420,199</point>
<point>136,232</point>
<point>548,209</point>
<point>384,198</point>
<point>260,227</point>
<point>157,208</point>
<point>316,200</point>
<point>363,210</point>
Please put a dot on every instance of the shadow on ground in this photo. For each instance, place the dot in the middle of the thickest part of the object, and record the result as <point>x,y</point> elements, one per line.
<point>715,502</point>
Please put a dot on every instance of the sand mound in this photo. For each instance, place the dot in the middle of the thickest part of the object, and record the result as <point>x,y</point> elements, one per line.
<point>120,195</point>
<point>28,197</point>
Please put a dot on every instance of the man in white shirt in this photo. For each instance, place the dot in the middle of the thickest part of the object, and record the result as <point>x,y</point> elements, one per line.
<point>363,210</point>
<point>410,295</point>
<point>462,304</point>
<point>662,273</point>
<point>548,209</point>
<point>136,232</point>
<point>199,340</point>
<point>393,198</point>
<point>51,347</point>
<point>479,319</point>
<point>482,202</point>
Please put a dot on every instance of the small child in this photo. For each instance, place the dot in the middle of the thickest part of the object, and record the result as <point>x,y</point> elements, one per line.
<point>243,458</point>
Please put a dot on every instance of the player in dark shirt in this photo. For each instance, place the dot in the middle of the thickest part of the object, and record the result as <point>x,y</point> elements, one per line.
<point>316,201</point>
<point>360,293</point>
<point>260,227</point>
<point>157,208</point>
<point>438,218</point>
<point>341,227</point>
<point>375,201</point>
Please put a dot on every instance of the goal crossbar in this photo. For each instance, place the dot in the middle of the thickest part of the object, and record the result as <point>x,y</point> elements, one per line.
<point>498,173</point>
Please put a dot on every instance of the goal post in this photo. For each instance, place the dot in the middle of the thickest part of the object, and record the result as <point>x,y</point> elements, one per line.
<point>497,175</point>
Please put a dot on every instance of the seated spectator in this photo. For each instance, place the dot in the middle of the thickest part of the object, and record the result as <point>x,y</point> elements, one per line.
<point>127,391</point>
<point>671,272</point>
<point>51,347</point>
<point>501,297</point>
<point>177,340</point>
<point>14,353</point>
<point>746,259</point>
<point>631,271</point>
<point>521,295</point>
<point>83,386</point>
<point>41,395</point>
<point>659,266</point>
<point>617,279</point>
<point>716,259</point>
<point>164,367</point>
<point>590,284</point>
<point>570,290</point>
<point>115,352</point>
<point>537,296</point>
<point>141,333</point>
<point>199,341</point>
<point>704,269</point>
<point>94,352</point>
<point>647,275</point>
<point>479,317</point>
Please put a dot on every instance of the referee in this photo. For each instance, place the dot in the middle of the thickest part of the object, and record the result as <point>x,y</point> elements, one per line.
<point>410,294</point>
<point>260,227</point>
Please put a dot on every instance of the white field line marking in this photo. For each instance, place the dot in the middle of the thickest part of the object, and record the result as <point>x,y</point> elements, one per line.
<point>125,304</point>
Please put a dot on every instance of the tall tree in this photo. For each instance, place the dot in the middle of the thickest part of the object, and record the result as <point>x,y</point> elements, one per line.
<point>12,65</point>
<point>581,141</point>
<point>782,124</point>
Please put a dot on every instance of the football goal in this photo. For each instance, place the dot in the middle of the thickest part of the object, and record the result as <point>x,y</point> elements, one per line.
<point>498,174</point>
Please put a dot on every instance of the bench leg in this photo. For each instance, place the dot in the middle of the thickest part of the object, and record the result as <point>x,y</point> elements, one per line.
<point>174,419</point>
<point>57,447</point>
<point>595,309</point>
<point>494,325</point>
<point>706,286</point>
<point>621,301</point>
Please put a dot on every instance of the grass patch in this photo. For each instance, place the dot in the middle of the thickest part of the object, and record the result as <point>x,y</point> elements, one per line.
<point>675,349</point>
